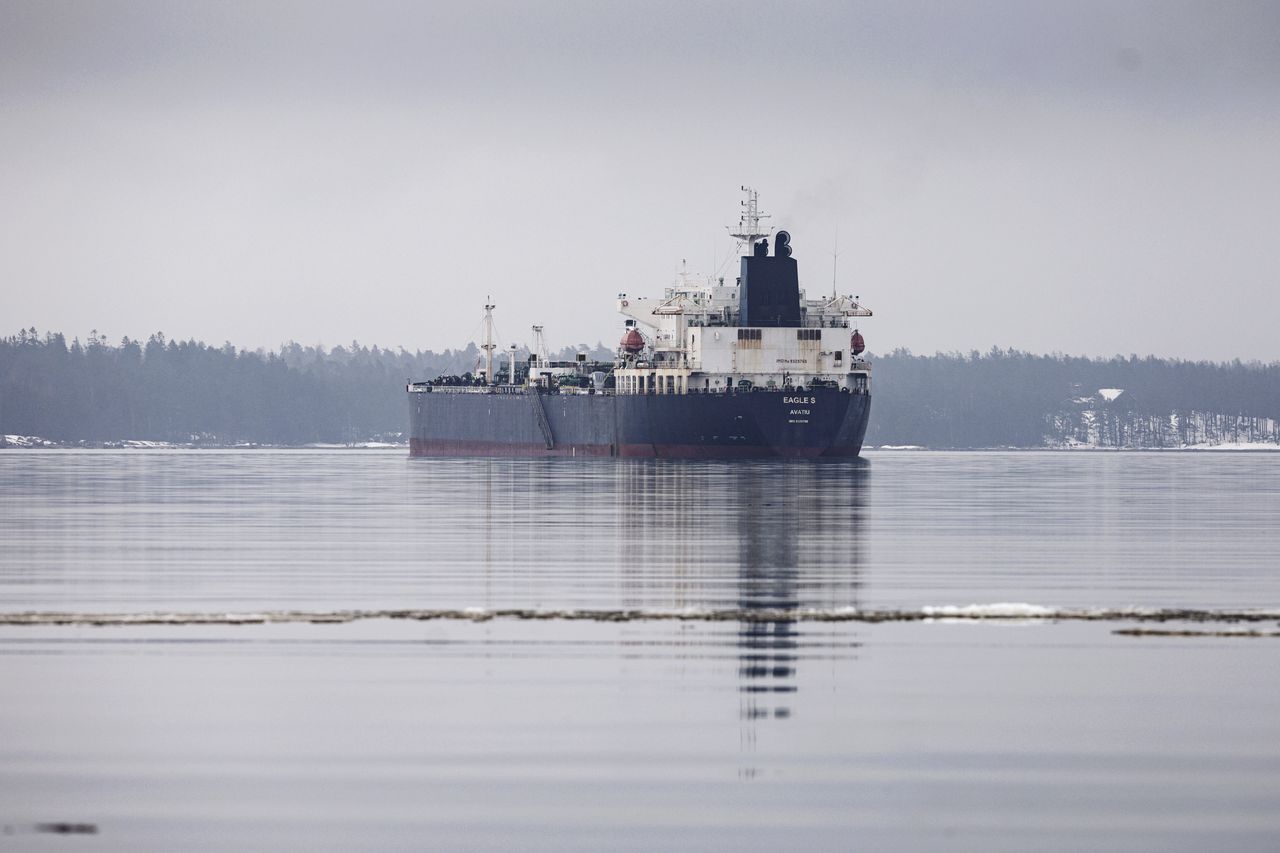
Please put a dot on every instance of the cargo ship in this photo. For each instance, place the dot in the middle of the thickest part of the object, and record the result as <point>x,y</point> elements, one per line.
<point>752,368</point>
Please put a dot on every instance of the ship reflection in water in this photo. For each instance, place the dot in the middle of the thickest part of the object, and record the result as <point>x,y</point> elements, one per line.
<point>768,569</point>
<point>646,535</point>
<point>771,571</point>
<point>782,516</point>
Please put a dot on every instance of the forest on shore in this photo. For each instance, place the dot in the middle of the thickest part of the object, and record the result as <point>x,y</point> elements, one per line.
<point>189,392</point>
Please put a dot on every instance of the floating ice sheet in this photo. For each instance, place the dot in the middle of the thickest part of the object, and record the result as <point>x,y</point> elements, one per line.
<point>1002,611</point>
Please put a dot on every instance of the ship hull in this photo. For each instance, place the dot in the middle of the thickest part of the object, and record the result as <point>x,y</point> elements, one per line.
<point>814,423</point>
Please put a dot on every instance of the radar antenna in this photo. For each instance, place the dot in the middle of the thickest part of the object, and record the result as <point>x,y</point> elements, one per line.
<point>749,225</point>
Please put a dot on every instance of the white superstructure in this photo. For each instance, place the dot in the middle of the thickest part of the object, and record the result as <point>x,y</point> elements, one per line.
<point>693,342</point>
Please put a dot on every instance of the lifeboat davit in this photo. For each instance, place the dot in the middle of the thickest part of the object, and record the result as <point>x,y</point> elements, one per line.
<point>857,343</point>
<point>632,341</point>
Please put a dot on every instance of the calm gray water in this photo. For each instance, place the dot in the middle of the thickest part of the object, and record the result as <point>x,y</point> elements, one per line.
<point>646,734</point>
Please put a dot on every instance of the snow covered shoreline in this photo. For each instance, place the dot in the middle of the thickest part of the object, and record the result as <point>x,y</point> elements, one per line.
<point>32,442</point>
<point>35,442</point>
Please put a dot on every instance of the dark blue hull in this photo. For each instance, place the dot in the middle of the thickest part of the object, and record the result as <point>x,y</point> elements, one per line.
<point>457,422</point>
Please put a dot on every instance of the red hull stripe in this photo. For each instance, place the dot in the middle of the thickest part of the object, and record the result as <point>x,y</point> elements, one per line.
<point>439,447</point>
<point>442,447</point>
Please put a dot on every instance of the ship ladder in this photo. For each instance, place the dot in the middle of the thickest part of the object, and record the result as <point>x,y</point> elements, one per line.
<point>540,413</point>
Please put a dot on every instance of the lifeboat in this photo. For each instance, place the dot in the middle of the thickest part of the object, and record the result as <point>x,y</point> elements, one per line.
<point>632,342</point>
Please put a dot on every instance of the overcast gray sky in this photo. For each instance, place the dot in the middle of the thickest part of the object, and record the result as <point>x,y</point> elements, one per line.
<point>1085,177</point>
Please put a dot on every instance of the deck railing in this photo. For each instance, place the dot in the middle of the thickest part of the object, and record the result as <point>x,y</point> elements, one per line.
<point>423,388</point>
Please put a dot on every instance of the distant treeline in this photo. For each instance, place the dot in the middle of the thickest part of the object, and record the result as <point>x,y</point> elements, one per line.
<point>1006,398</point>
<point>187,391</point>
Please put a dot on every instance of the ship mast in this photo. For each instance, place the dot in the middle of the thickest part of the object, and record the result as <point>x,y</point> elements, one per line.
<point>835,259</point>
<point>749,224</point>
<point>489,346</point>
